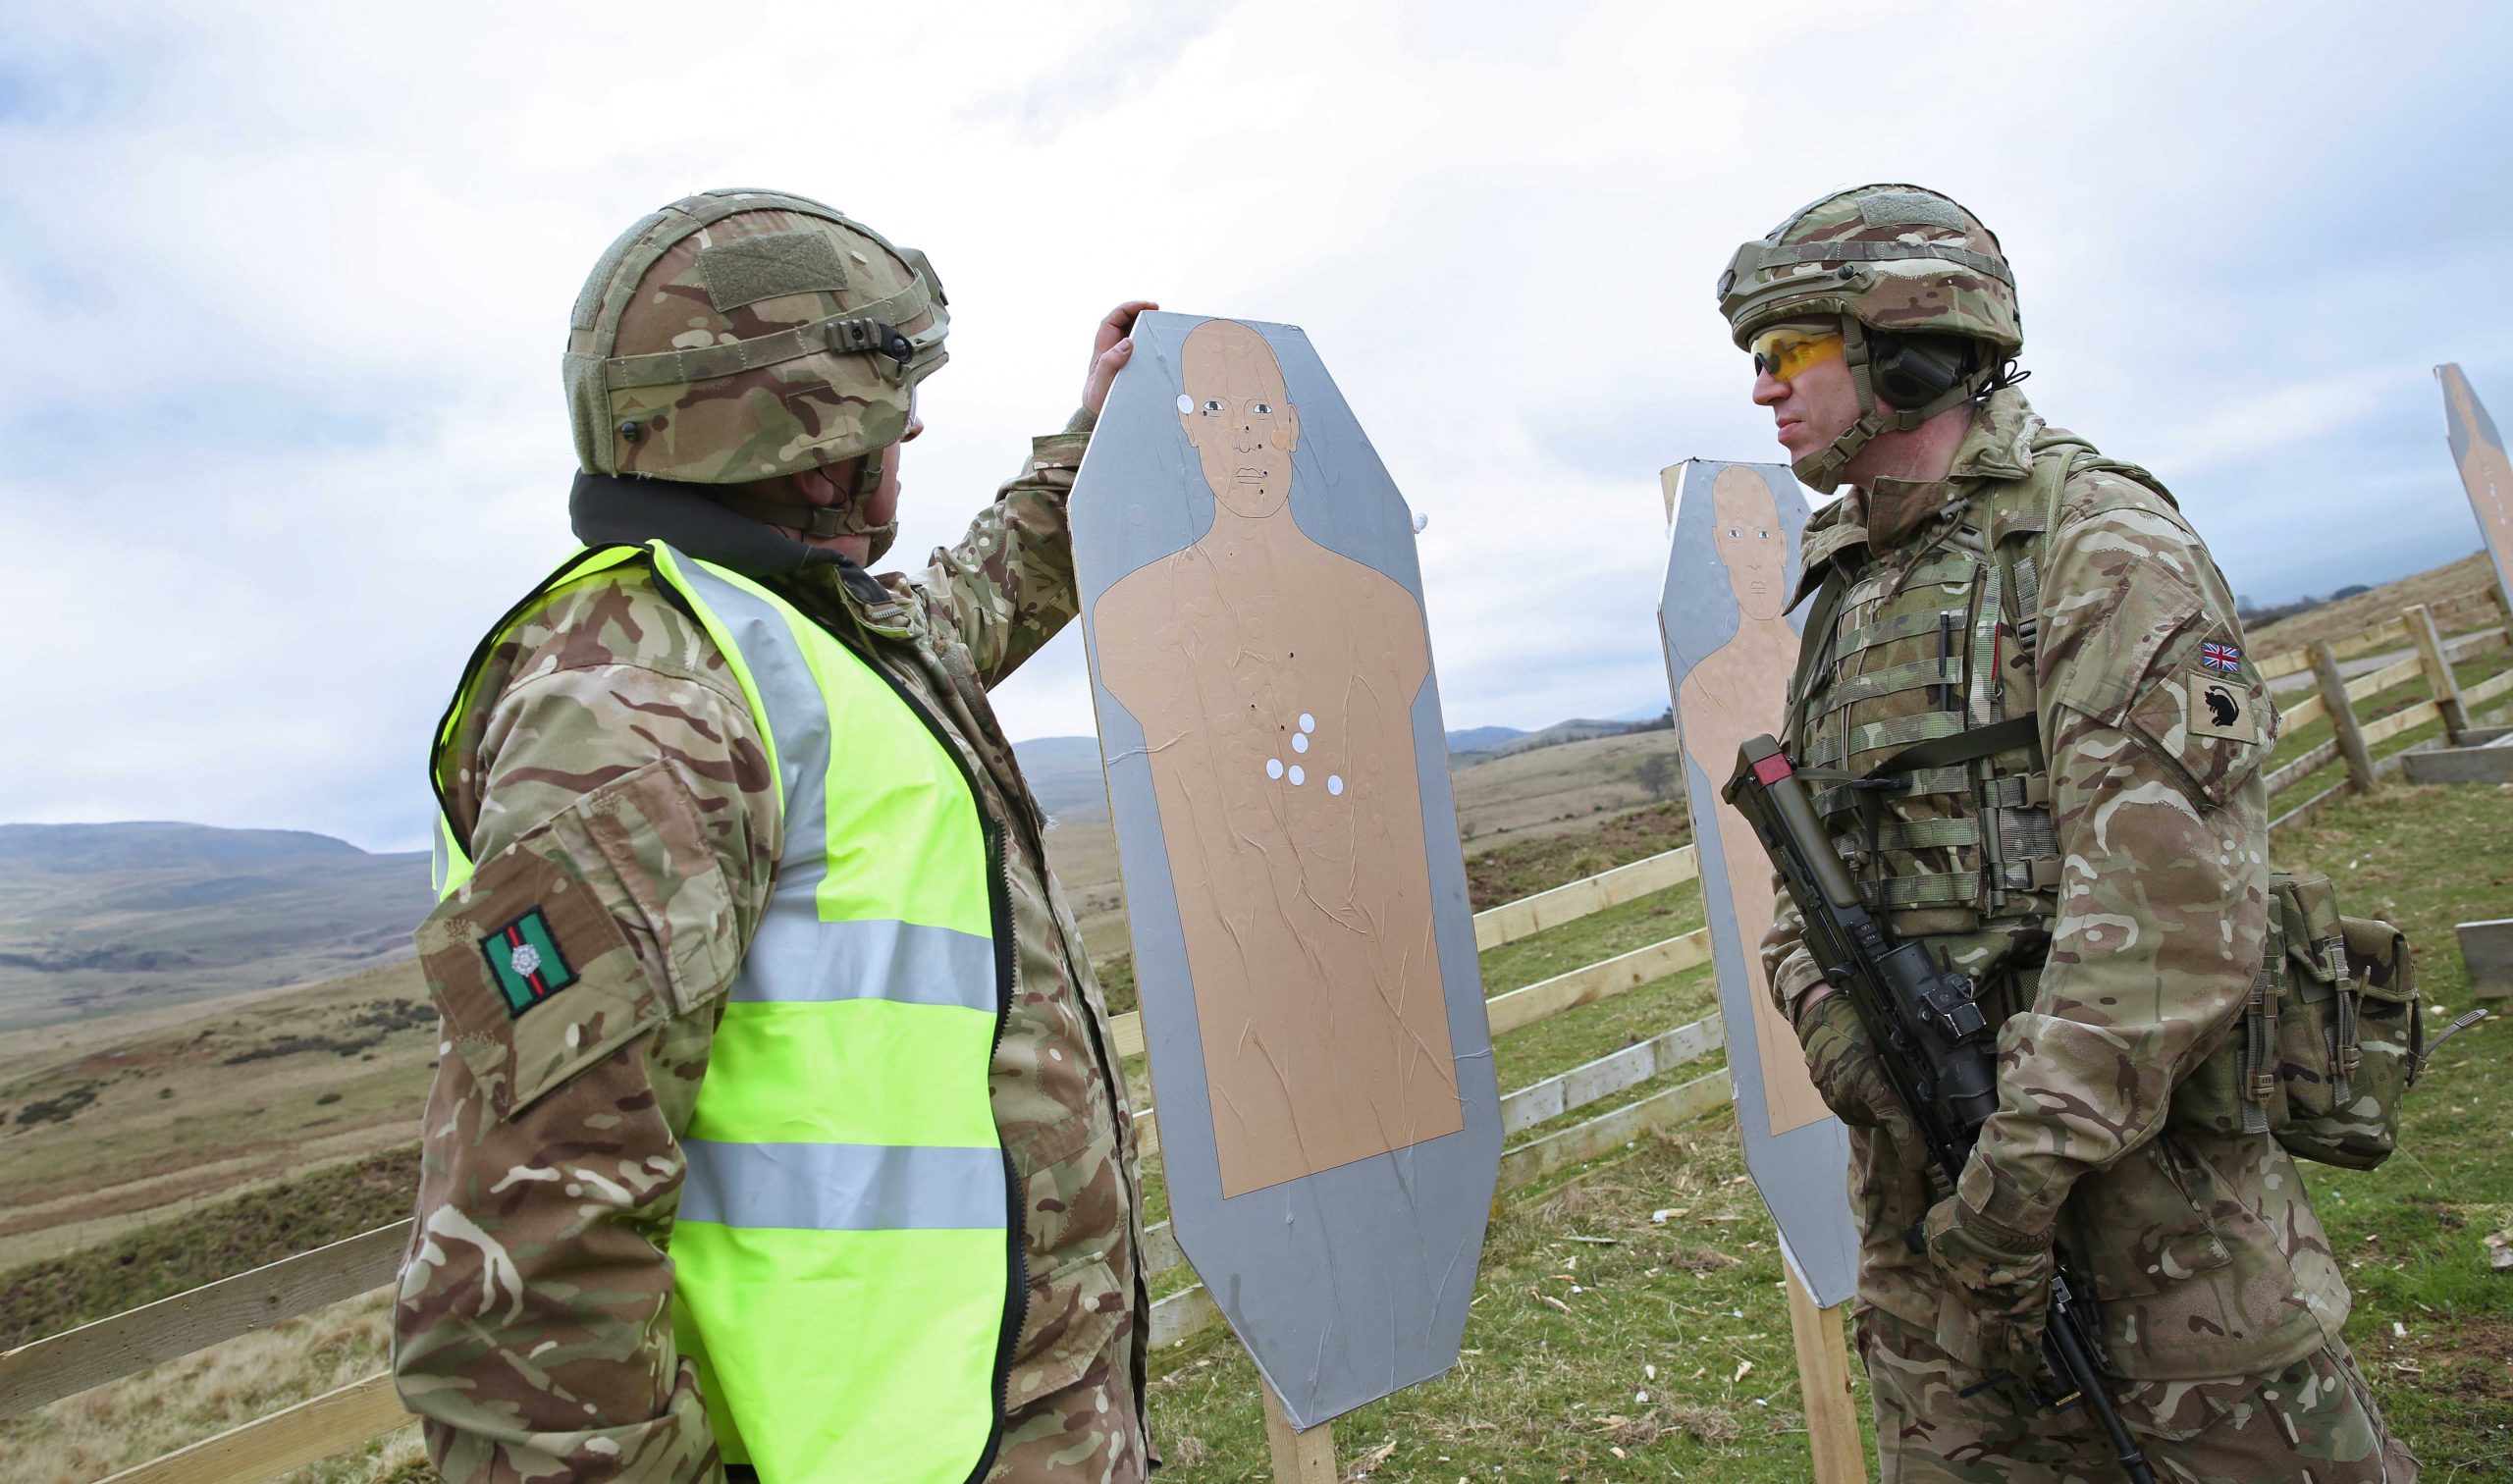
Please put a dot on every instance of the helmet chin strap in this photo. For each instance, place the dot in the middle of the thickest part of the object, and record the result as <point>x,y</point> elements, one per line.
<point>867,480</point>
<point>1821,470</point>
<point>820,522</point>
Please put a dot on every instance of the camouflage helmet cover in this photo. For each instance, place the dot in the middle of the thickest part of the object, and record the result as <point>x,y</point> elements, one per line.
<point>739,335</point>
<point>1896,258</point>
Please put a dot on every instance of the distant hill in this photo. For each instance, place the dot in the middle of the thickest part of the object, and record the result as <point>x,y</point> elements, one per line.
<point>100,918</point>
<point>1577,729</point>
<point>1064,773</point>
<point>2338,617</point>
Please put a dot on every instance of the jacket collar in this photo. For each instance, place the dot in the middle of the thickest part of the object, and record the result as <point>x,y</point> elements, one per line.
<point>1997,446</point>
<point>605,509</point>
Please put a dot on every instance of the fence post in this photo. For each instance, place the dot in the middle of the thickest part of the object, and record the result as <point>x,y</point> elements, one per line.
<point>1840,1456</point>
<point>1299,1458</point>
<point>2439,671</point>
<point>2343,718</point>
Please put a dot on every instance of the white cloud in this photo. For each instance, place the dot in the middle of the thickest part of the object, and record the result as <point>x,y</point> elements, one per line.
<point>294,278</point>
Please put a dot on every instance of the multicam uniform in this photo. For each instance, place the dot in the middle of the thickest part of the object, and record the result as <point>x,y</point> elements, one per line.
<point>2125,891</point>
<point>603,739</point>
<point>2082,829</point>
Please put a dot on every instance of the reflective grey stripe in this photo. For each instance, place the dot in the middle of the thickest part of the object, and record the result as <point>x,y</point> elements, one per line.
<point>796,711</point>
<point>790,931</point>
<point>844,1187</point>
<point>794,957</point>
<point>906,962</point>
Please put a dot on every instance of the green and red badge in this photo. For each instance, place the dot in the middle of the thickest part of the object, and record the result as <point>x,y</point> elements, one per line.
<point>525,961</point>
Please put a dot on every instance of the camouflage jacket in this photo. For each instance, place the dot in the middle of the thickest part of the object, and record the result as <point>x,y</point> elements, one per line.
<point>2204,1253</point>
<point>608,739</point>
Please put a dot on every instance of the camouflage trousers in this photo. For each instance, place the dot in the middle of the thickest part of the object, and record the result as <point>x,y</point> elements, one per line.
<point>1087,1433</point>
<point>2309,1422</point>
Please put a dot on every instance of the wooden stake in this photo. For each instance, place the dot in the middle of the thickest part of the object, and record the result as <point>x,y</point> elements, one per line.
<point>1823,1380</point>
<point>1299,1458</point>
<point>2438,672</point>
<point>2342,717</point>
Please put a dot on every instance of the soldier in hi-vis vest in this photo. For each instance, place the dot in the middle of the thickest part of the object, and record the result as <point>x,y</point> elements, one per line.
<point>2023,705</point>
<point>778,1132</point>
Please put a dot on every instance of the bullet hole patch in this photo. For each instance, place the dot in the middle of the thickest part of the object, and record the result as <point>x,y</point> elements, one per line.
<point>2222,707</point>
<point>524,959</point>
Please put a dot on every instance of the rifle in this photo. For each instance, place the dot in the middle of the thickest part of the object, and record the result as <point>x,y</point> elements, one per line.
<point>1932,1043</point>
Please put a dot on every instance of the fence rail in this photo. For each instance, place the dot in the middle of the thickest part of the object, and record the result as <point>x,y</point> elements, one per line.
<point>2335,700</point>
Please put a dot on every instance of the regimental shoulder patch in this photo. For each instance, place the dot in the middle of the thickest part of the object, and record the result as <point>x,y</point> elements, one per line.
<point>525,961</point>
<point>2220,708</point>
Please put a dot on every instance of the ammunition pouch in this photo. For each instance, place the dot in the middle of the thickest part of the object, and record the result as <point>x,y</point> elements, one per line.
<point>2330,1039</point>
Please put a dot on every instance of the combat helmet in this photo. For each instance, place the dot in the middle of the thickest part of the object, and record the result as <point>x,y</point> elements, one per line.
<point>1899,266</point>
<point>739,335</point>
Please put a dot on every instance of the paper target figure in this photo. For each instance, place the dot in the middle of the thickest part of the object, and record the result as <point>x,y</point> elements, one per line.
<point>1731,570</point>
<point>2484,470</point>
<point>1278,776</point>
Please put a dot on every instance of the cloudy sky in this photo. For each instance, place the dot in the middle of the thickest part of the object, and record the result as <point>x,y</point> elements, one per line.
<point>287,286</point>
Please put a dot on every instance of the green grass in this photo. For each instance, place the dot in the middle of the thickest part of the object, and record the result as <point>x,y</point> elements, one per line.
<point>2411,1235</point>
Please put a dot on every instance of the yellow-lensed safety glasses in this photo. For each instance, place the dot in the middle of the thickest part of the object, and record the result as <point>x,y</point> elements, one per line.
<point>1783,352</point>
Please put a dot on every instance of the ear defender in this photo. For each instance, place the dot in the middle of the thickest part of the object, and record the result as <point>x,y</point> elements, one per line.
<point>1915,370</point>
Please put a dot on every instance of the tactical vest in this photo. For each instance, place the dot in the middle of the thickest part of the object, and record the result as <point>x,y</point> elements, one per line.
<point>848,1269</point>
<point>1913,711</point>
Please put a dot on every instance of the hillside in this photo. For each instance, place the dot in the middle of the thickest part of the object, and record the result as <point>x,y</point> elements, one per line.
<point>98,920</point>
<point>2338,619</point>
<point>111,1122</point>
<point>1577,729</point>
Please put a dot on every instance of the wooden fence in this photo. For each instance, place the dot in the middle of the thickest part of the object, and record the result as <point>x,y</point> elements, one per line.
<point>108,1349</point>
<point>2336,698</point>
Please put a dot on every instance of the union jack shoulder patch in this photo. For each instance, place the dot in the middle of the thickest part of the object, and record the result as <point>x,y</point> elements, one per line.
<point>2219,657</point>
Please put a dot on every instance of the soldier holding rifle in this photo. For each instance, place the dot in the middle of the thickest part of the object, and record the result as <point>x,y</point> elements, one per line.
<point>2023,718</point>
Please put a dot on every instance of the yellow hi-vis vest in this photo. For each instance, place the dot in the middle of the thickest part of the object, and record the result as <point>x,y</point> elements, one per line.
<point>847,1261</point>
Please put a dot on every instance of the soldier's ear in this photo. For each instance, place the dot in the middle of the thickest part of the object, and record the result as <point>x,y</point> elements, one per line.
<point>1187,419</point>
<point>1291,425</point>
